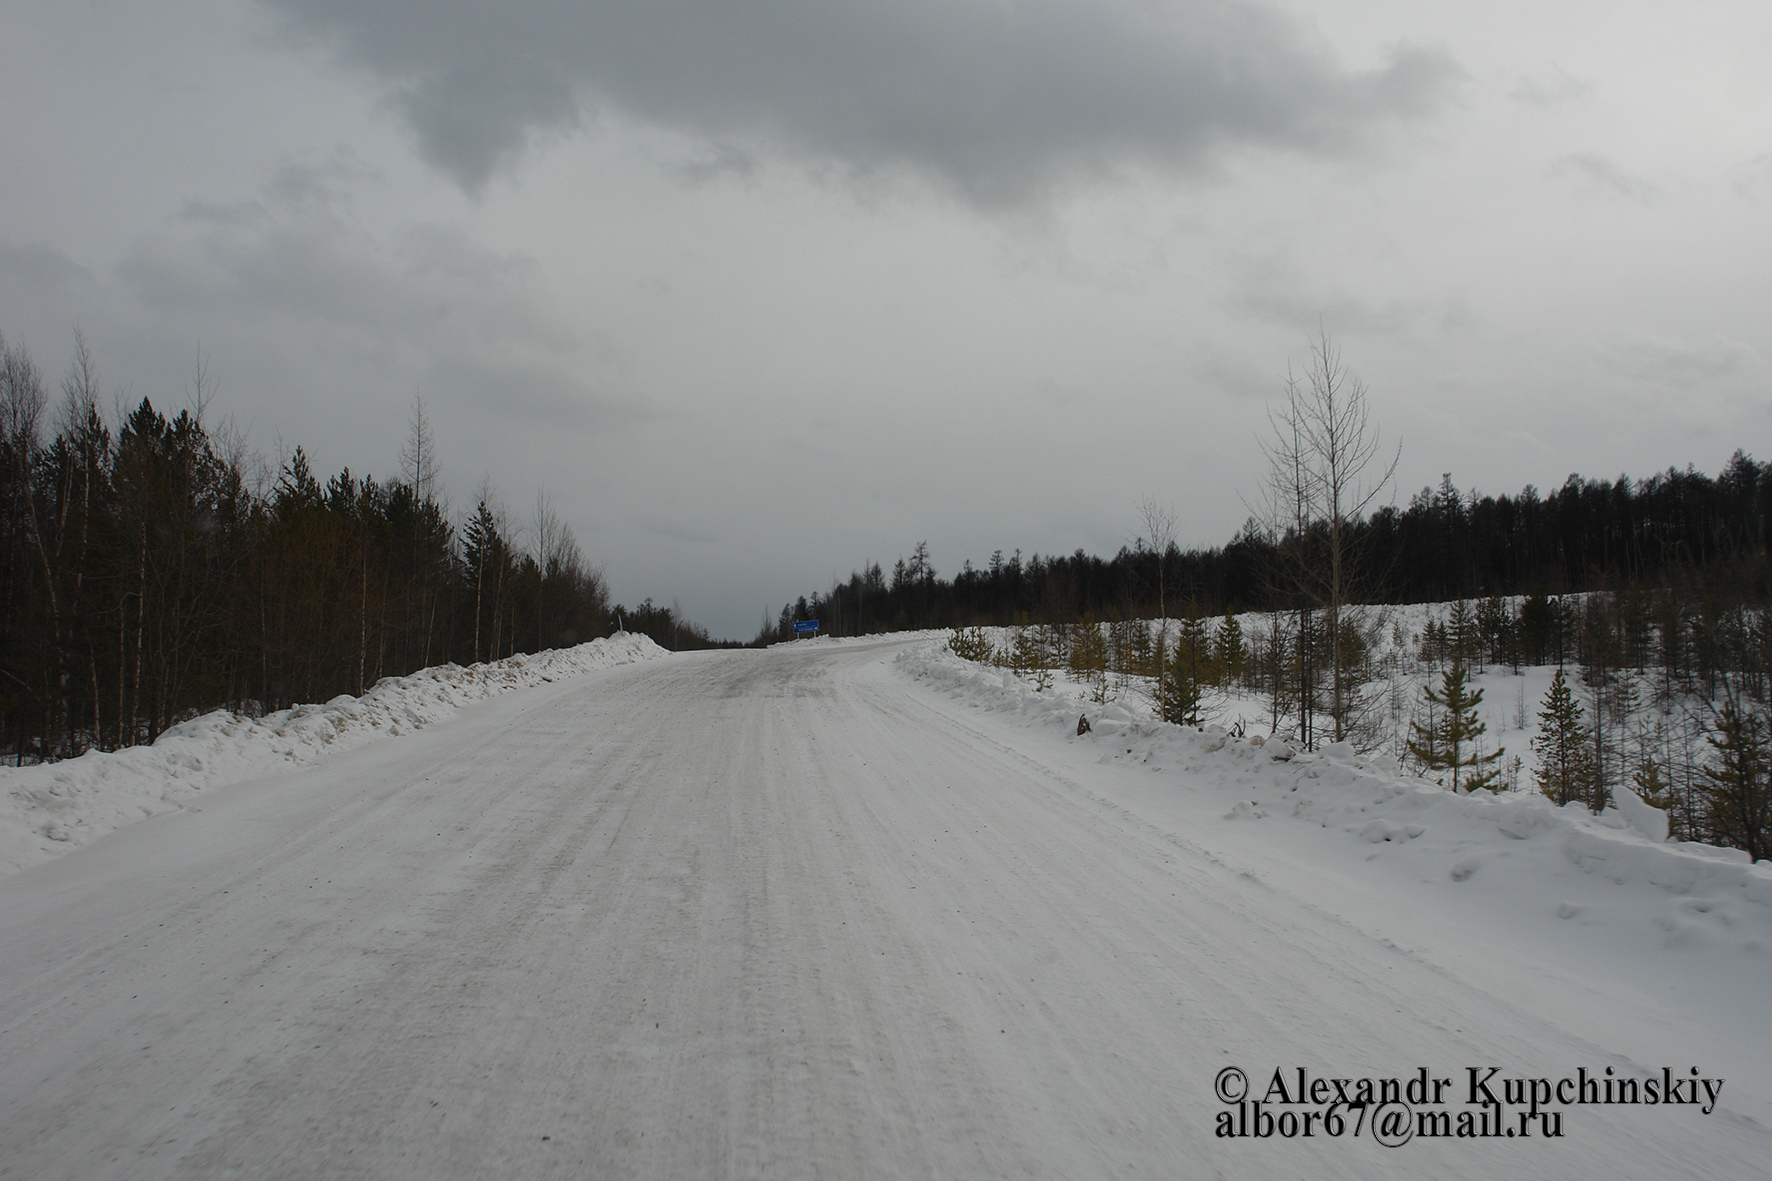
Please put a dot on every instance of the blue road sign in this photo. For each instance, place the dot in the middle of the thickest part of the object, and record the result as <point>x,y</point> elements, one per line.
<point>801,626</point>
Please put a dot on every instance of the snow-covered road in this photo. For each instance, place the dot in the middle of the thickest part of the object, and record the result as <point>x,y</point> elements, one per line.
<point>749,914</point>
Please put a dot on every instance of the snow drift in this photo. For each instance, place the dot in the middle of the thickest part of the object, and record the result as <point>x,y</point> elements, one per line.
<point>51,808</point>
<point>1449,835</point>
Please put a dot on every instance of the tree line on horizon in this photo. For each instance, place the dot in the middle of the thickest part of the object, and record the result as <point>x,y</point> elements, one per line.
<point>1680,530</point>
<point>156,568</point>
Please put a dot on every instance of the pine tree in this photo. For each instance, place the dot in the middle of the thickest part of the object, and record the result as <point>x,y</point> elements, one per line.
<point>1536,627</point>
<point>1023,654</point>
<point>1463,636</point>
<point>1448,740</point>
<point>1123,647</point>
<point>1600,656</point>
<point>1231,653</point>
<point>1189,669</point>
<point>1565,760</point>
<point>1089,658</point>
<point>1651,784</point>
<point>1040,644</point>
<point>1737,796</point>
<point>970,644</point>
<point>484,549</point>
<point>1433,643</point>
<point>1181,694</point>
<point>1195,641</point>
<point>1137,656</point>
<point>1494,626</point>
<point>1272,657</point>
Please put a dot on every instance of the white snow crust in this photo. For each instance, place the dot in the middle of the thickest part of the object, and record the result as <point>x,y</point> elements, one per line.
<point>53,807</point>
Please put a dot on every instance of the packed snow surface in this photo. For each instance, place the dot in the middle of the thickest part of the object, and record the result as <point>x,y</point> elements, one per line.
<point>860,909</point>
<point>50,808</point>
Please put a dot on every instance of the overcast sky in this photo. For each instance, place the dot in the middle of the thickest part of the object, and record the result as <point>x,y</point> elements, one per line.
<point>758,291</point>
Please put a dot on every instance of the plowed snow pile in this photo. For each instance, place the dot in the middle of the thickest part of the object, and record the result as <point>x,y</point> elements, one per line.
<point>54,807</point>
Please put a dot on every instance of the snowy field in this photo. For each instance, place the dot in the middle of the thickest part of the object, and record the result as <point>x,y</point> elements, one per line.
<point>1511,702</point>
<point>862,909</point>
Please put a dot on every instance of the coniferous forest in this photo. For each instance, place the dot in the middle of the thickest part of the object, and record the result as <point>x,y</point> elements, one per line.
<point>155,568</point>
<point>1699,537</point>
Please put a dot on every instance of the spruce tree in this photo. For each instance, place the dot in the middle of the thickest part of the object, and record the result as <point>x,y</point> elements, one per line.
<point>1565,760</point>
<point>1447,741</point>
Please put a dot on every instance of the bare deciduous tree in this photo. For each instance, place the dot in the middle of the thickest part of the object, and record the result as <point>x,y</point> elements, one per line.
<point>1159,521</point>
<point>1326,467</point>
<point>418,455</point>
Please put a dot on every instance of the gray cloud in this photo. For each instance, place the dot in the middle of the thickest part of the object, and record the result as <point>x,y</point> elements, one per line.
<point>717,161</point>
<point>300,295</point>
<point>1000,101</point>
<point>294,250</point>
<point>1599,172</point>
<point>1671,364</point>
<point>1278,288</point>
<point>1551,87</point>
<point>673,530</point>
<point>1752,179</point>
<point>43,275</point>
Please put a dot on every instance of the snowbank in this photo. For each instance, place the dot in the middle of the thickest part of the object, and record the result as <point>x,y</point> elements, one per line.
<point>1371,801</point>
<point>54,807</point>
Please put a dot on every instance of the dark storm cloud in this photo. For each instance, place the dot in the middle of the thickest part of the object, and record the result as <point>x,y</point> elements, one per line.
<point>997,98</point>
